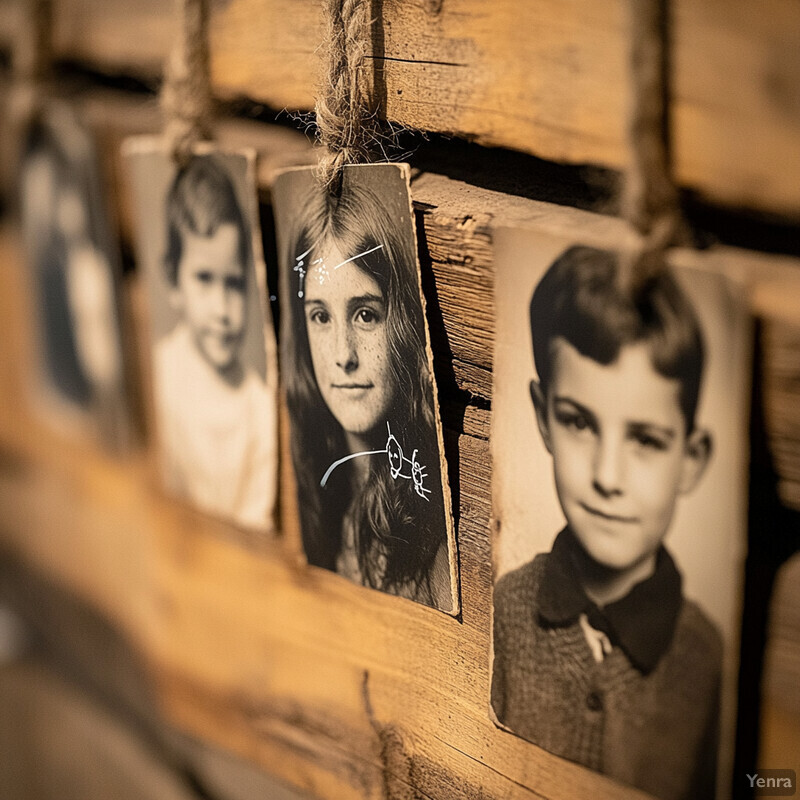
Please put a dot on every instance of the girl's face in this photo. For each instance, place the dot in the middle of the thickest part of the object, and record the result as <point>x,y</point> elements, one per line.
<point>345,313</point>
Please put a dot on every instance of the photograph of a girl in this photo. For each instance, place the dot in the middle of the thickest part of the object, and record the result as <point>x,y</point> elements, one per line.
<point>366,449</point>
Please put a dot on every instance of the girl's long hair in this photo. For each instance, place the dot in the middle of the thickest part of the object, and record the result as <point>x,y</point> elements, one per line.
<point>397,532</point>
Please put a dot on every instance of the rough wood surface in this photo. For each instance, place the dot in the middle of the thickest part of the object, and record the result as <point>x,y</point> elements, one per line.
<point>543,76</point>
<point>344,692</point>
<point>58,744</point>
<point>783,654</point>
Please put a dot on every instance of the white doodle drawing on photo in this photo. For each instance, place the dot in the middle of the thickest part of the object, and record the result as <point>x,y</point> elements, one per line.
<point>300,269</point>
<point>324,271</point>
<point>397,463</point>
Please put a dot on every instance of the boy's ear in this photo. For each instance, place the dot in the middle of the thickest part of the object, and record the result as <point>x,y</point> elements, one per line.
<point>697,454</point>
<point>540,407</point>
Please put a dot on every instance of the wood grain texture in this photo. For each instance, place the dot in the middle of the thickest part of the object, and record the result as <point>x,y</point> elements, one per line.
<point>781,686</point>
<point>115,37</point>
<point>736,113</point>
<point>782,377</point>
<point>545,77</point>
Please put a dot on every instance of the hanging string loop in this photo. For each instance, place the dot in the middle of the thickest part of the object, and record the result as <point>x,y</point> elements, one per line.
<point>650,201</point>
<point>186,100</point>
<point>346,126</point>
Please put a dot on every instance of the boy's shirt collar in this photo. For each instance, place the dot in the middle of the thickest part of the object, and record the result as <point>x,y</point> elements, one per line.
<point>642,623</point>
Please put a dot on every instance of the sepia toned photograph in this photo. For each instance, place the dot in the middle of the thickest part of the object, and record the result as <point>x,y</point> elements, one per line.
<point>73,258</point>
<point>365,432</point>
<point>214,368</point>
<point>619,444</point>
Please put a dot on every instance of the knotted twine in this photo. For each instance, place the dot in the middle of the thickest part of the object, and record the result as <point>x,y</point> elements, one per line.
<point>649,198</point>
<point>346,127</point>
<point>31,59</point>
<point>32,52</point>
<point>186,101</point>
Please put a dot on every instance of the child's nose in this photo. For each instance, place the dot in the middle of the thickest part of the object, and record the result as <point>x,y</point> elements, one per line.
<point>346,350</point>
<point>222,300</point>
<point>608,467</point>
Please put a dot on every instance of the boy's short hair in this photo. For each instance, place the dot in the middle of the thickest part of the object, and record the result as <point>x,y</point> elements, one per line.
<point>583,299</point>
<point>201,199</point>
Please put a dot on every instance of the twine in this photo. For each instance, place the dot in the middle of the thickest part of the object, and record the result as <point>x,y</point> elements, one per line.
<point>31,58</point>
<point>32,52</point>
<point>186,91</point>
<point>345,124</point>
<point>649,198</point>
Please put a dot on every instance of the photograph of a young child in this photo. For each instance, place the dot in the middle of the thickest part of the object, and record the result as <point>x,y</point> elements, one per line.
<point>619,444</point>
<point>74,259</point>
<point>365,433</point>
<point>214,368</point>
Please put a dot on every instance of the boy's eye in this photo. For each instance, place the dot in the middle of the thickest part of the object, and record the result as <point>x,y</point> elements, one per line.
<point>573,420</point>
<point>649,441</point>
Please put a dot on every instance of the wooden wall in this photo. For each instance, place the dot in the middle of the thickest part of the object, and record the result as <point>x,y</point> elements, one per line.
<point>546,77</point>
<point>340,691</point>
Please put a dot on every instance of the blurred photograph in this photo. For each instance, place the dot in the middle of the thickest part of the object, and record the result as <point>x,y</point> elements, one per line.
<point>619,441</point>
<point>213,354</point>
<point>365,433</point>
<point>76,276</point>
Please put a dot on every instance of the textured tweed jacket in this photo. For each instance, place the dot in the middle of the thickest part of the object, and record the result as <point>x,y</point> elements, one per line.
<point>654,730</point>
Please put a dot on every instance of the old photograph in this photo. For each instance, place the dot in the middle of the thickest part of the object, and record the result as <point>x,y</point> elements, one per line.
<point>365,433</point>
<point>75,271</point>
<point>214,367</point>
<point>619,444</point>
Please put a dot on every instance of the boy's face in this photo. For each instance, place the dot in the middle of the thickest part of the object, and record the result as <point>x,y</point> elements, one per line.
<point>620,451</point>
<point>211,293</point>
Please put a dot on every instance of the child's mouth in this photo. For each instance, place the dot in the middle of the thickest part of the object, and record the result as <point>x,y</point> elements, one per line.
<point>596,512</point>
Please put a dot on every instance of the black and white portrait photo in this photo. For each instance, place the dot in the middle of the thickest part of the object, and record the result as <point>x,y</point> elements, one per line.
<point>213,353</point>
<point>619,444</point>
<point>76,275</point>
<point>365,434</point>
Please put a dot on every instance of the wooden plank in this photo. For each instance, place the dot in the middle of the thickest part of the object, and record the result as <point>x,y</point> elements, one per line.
<point>544,77</point>
<point>536,76</point>
<point>119,37</point>
<point>781,737</point>
<point>736,115</point>
<point>781,717</point>
<point>58,744</point>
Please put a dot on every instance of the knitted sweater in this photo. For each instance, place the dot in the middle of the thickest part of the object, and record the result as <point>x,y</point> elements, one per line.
<point>655,731</point>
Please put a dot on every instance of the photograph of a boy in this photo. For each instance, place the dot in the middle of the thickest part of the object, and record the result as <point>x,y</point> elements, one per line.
<point>598,655</point>
<point>215,416</point>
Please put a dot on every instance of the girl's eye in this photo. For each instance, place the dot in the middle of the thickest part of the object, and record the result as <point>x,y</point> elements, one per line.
<point>204,276</point>
<point>366,316</point>
<point>320,316</point>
